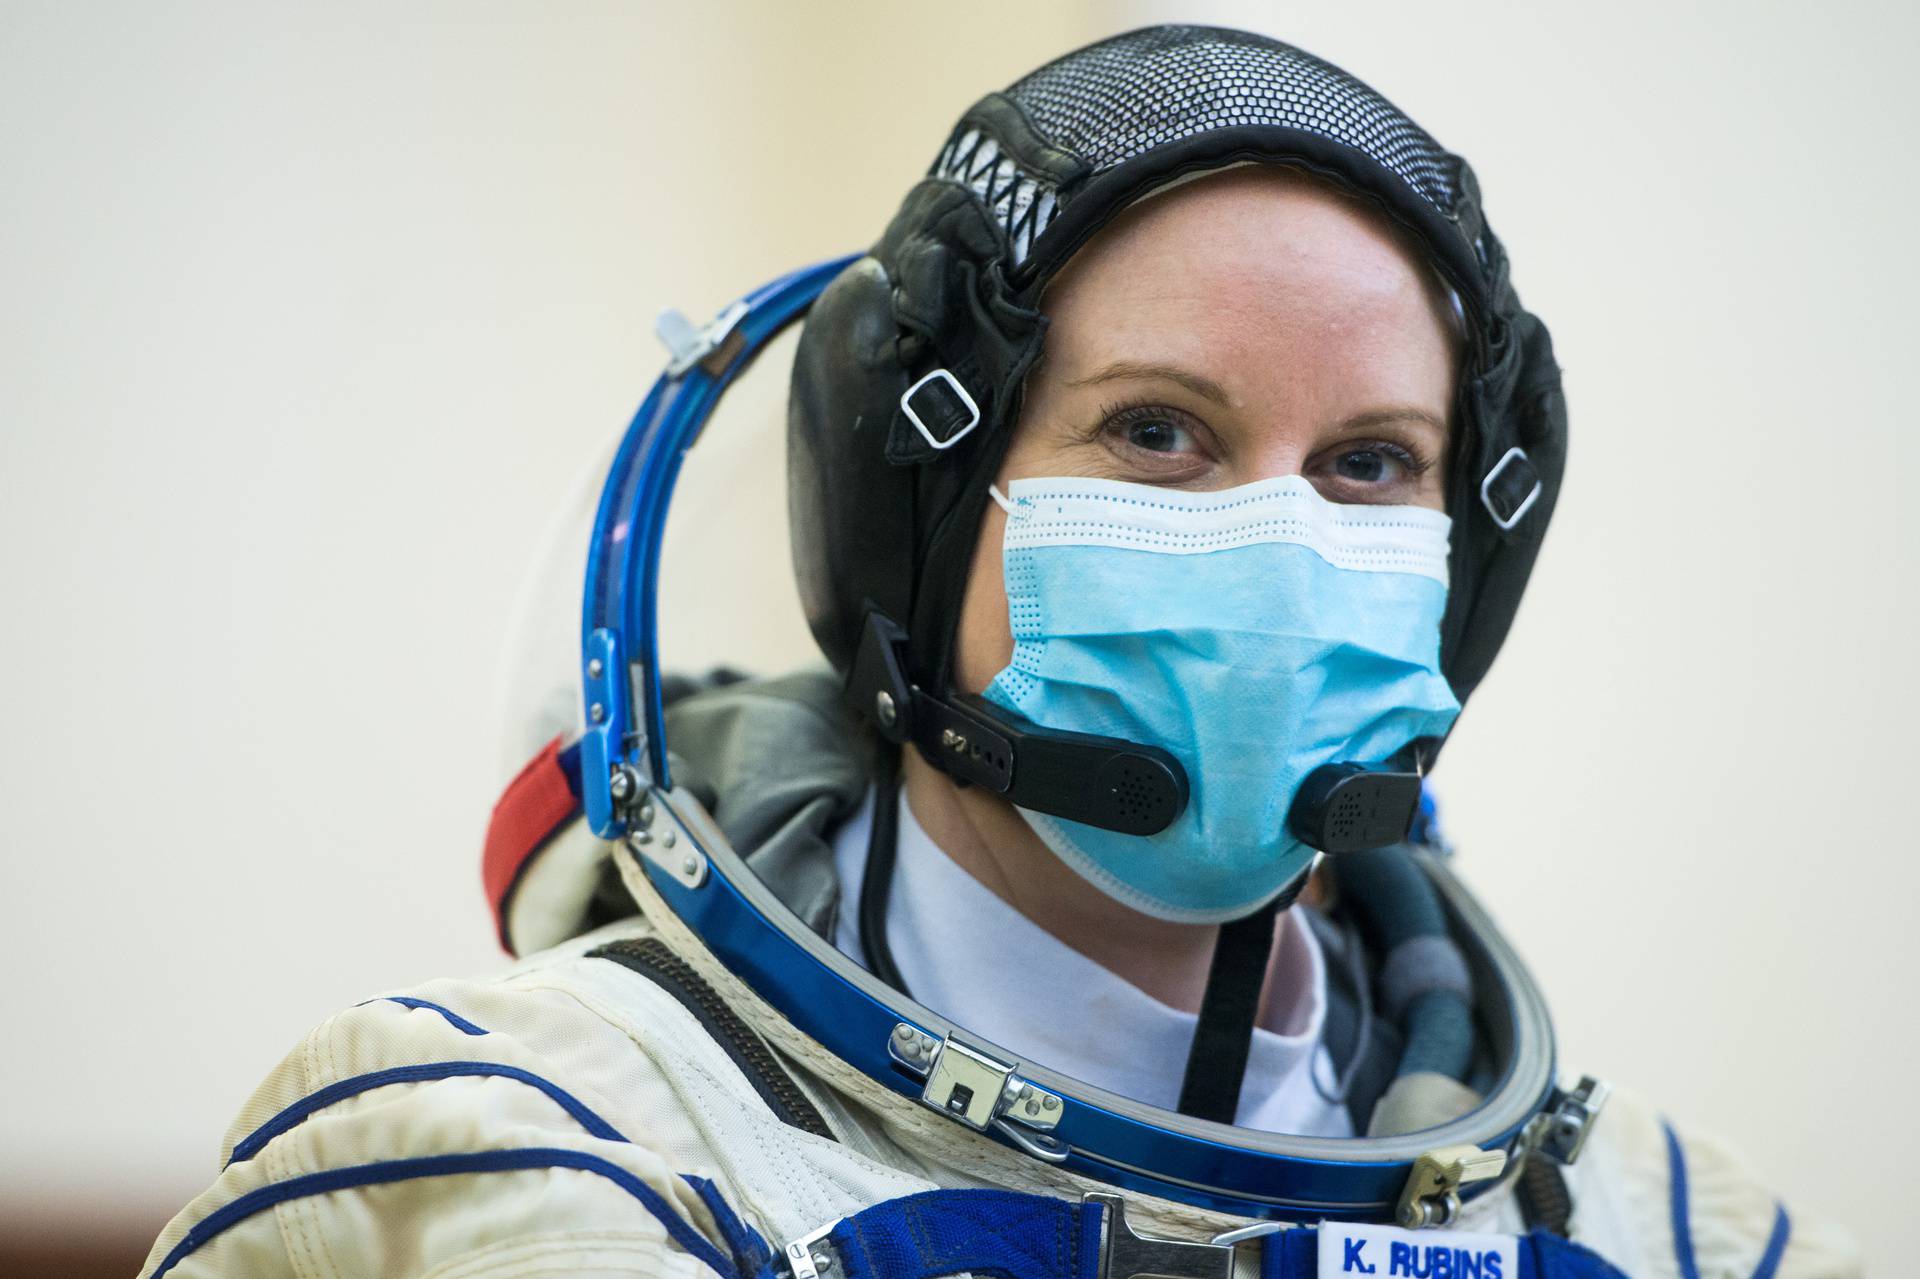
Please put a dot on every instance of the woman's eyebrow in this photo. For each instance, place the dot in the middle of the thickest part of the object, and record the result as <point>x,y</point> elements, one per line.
<point>1204,387</point>
<point>1208,389</point>
<point>1398,413</point>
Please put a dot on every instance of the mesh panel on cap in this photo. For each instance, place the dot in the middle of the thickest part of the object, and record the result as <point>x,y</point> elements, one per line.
<point>1129,95</point>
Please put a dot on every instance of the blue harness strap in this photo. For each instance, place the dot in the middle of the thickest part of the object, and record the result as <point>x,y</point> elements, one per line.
<point>1551,1257</point>
<point>1019,1236</point>
<point>983,1232</point>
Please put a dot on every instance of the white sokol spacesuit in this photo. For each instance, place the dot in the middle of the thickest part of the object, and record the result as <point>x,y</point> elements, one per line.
<point>757,1031</point>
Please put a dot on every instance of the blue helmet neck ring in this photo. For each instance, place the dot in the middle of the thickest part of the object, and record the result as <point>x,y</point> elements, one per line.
<point>629,796</point>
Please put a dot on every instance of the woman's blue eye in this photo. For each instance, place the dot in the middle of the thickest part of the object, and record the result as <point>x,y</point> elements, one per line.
<point>1364,466</point>
<point>1157,435</point>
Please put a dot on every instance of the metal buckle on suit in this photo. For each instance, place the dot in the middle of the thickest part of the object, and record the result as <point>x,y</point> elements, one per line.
<point>1125,1253</point>
<point>809,1256</point>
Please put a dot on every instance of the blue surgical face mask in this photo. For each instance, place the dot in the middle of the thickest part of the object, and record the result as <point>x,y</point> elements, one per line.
<point>1255,633</point>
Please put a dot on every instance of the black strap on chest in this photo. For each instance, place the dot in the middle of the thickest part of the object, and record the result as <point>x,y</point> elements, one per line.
<point>1229,1011</point>
<point>883,843</point>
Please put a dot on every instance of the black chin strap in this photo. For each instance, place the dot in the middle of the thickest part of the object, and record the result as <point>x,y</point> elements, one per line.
<point>877,884</point>
<point>1223,1036</point>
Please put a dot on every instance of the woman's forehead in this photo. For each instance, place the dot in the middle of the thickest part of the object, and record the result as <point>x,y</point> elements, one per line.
<point>1260,227</point>
<point>1230,272</point>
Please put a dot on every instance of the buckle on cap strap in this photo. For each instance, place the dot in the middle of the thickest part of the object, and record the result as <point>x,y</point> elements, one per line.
<point>1510,488</point>
<point>940,409</point>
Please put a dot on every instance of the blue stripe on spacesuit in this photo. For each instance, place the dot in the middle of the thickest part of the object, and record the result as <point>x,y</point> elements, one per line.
<point>453,1018</point>
<point>1683,1224</point>
<point>250,1145</point>
<point>388,1171</point>
<point>1682,1219</point>
<point>1776,1245</point>
<point>750,1252</point>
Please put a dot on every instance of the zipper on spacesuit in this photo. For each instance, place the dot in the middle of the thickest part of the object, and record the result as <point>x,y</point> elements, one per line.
<point>651,958</point>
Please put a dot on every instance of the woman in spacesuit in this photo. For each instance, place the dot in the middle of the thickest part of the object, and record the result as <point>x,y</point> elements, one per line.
<point>1163,481</point>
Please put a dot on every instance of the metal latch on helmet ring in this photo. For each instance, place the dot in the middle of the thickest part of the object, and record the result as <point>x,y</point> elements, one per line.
<point>1432,1193</point>
<point>712,347</point>
<point>971,1085</point>
<point>1559,1132</point>
<point>1564,1126</point>
<point>656,827</point>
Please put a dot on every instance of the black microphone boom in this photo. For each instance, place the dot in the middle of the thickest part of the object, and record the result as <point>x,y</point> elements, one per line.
<point>1107,782</point>
<point>1350,808</point>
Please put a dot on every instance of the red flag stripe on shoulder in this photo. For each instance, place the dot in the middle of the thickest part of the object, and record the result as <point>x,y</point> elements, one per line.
<point>536,804</point>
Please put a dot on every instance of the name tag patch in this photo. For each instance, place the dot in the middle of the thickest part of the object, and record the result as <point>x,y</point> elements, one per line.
<point>1387,1252</point>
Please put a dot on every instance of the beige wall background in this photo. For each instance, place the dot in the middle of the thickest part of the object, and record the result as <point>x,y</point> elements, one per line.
<point>310,317</point>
